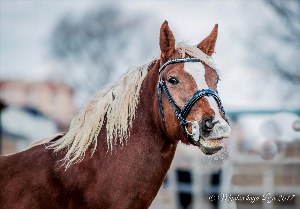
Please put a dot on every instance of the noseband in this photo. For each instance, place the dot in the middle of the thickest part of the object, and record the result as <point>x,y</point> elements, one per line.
<point>181,114</point>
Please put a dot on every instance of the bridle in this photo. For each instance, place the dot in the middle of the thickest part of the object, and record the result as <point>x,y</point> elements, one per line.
<point>181,114</point>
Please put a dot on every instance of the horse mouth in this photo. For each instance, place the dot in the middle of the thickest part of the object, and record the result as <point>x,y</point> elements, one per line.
<point>210,146</point>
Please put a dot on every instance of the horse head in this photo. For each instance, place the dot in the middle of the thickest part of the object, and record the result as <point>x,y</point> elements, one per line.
<point>189,105</point>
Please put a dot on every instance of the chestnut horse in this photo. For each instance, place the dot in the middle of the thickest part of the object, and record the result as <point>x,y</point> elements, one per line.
<point>120,146</point>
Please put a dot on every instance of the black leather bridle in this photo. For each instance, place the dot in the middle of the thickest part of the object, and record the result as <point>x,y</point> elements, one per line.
<point>181,114</point>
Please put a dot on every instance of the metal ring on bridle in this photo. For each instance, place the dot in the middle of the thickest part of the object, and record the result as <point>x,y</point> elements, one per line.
<point>181,114</point>
<point>185,127</point>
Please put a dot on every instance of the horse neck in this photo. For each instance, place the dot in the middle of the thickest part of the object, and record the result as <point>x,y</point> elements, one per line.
<point>148,118</point>
<point>146,133</point>
<point>140,165</point>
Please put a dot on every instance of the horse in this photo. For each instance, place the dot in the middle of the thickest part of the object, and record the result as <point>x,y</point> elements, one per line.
<point>120,145</point>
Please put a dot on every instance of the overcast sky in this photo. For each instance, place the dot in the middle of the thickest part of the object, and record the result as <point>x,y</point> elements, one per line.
<point>26,26</point>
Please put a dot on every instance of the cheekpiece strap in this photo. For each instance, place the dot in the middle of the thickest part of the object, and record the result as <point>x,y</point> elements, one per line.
<point>177,109</point>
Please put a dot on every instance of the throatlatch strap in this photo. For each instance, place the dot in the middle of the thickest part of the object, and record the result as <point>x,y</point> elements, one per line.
<point>161,109</point>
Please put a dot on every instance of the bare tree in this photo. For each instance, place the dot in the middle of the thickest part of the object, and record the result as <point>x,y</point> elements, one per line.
<point>274,43</point>
<point>100,44</point>
<point>277,42</point>
<point>288,34</point>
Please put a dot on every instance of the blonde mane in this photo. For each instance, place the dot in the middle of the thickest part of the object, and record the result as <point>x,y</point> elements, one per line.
<point>114,106</point>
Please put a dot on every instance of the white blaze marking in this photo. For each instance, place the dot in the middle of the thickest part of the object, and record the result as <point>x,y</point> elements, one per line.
<point>197,71</point>
<point>214,105</point>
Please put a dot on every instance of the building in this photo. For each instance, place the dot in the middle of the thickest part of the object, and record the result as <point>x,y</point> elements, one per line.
<point>55,100</point>
<point>32,111</point>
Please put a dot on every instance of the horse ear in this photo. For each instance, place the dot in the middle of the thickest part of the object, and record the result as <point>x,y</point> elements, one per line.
<point>166,42</point>
<point>208,44</point>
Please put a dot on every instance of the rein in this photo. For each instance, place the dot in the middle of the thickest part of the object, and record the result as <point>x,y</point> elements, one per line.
<point>181,114</point>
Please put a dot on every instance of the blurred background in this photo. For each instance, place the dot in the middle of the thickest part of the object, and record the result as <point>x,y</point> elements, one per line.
<point>55,54</point>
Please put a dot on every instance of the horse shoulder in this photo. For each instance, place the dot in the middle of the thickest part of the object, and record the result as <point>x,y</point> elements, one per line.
<point>29,175</point>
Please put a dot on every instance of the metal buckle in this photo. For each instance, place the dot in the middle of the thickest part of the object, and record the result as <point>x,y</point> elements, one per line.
<point>195,130</point>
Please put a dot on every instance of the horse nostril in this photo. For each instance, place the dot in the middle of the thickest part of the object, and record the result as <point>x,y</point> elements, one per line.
<point>209,124</point>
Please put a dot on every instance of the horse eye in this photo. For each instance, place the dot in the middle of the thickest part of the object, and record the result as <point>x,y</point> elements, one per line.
<point>173,81</point>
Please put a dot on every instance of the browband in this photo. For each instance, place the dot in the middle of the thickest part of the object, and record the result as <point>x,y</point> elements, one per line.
<point>177,60</point>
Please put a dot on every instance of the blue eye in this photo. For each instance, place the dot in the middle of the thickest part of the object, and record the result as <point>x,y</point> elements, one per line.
<point>173,81</point>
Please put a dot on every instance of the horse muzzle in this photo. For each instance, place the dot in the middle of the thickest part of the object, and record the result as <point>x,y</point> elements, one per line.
<point>208,135</point>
